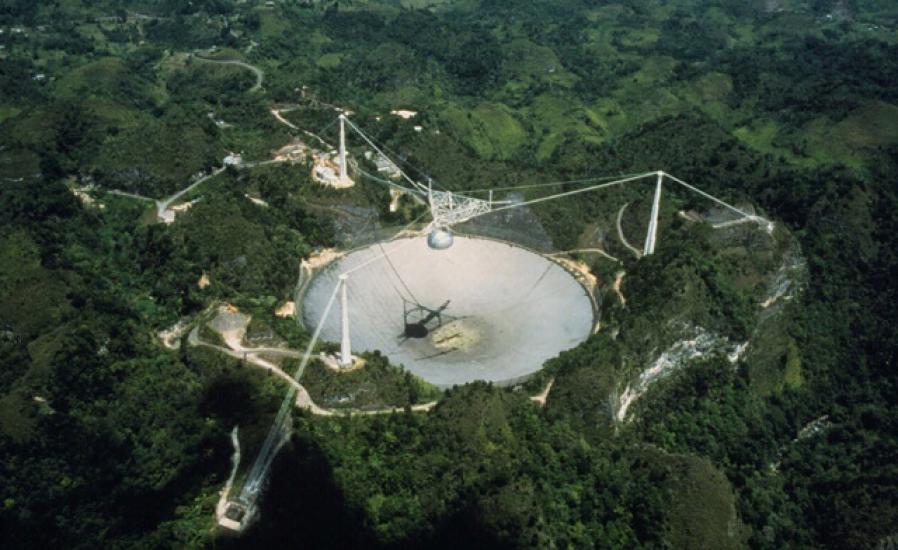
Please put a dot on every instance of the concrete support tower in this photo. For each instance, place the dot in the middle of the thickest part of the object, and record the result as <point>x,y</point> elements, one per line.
<point>345,348</point>
<point>344,173</point>
<point>650,237</point>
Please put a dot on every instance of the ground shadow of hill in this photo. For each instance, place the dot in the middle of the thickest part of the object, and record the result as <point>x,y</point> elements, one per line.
<point>303,507</point>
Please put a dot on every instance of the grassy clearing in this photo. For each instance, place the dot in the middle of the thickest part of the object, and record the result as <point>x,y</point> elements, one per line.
<point>709,93</point>
<point>527,62</point>
<point>490,129</point>
<point>554,117</point>
<point>8,111</point>
<point>849,140</point>
<point>32,127</point>
<point>655,103</point>
<point>608,13</point>
<point>872,125</point>
<point>170,63</point>
<point>612,113</point>
<point>407,95</point>
<point>763,135</point>
<point>272,23</point>
<point>329,60</point>
<point>654,70</point>
<point>105,77</point>
<point>424,4</point>
<point>713,86</point>
<point>109,113</point>
<point>639,38</point>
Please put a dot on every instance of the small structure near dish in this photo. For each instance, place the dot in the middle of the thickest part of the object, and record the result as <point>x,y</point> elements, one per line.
<point>384,165</point>
<point>297,151</point>
<point>404,113</point>
<point>233,159</point>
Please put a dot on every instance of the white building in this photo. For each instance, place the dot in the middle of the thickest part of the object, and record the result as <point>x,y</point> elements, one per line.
<point>233,159</point>
<point>404,113</point>
<point>384,165</point>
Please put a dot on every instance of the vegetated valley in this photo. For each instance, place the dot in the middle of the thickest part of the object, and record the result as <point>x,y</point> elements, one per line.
<point>774,424</point>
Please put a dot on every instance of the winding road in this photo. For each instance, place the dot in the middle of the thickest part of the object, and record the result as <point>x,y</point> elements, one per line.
<point>282,120</point>
<point>130,195</point>
<point>618,278</point>
<point>620,233</point>
<point>260,74</point>
<point>162,206</point>
<point>303,399</point>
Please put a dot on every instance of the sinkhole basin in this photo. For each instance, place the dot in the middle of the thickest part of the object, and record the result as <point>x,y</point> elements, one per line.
<point>479,310</point>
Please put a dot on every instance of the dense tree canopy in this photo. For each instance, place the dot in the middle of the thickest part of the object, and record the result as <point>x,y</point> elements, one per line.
<point>110,439</point>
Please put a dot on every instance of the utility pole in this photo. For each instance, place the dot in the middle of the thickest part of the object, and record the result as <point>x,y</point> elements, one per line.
<point>345,348</point>
<point>650,237</point>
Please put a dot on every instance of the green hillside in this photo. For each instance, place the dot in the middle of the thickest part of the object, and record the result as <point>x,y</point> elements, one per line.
<point>740,390</point>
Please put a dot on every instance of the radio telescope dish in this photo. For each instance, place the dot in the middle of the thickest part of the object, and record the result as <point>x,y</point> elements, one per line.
<point>480,310</point>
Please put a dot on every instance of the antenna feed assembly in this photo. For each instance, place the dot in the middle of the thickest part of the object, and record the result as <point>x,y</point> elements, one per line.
<point>440,238</point>
<point>448,209</point>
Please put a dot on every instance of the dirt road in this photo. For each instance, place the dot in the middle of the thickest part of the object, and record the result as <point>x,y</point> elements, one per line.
<point>260,74</point>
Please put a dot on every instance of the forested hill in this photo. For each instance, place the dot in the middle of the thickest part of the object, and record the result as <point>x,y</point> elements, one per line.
<point>108,438</point>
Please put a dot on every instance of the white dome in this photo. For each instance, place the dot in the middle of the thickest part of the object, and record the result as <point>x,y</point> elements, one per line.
<point>440,239</point>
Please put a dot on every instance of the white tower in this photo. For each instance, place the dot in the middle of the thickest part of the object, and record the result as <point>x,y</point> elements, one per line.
<point>344,173</point>
<point>345,348</point>
<point>649,247</point>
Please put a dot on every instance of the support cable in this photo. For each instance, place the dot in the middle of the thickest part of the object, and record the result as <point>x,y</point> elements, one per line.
<point>377,258</point>
<point>569,193</point>
<point>386,256</point>
<point>713,198</point>
<point>390,183</point>
<point>417,169</point>
<point>376,148</point>
<point>321,131</point>
<point>275,433</point>
<point>398,276</point>
<point>549,184</point>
